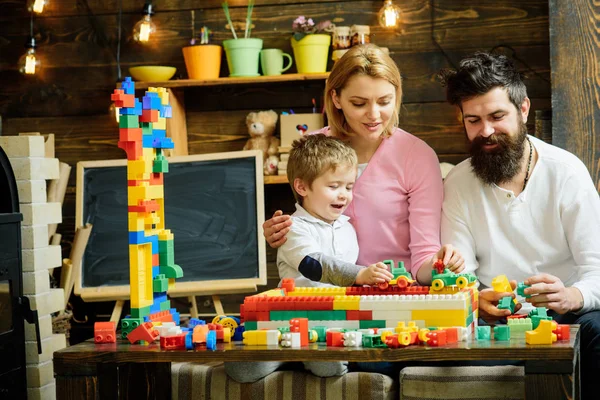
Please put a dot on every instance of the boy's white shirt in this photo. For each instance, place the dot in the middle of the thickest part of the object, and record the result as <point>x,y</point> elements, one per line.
<point>312,235</point>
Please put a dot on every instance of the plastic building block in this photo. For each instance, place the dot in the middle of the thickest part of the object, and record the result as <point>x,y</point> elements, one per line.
<point>290,339</point>
<point>373,341</point>
<point>436,338</point>
<point>144,332</point>
<point>335,338</point>
<point>519,326</point>
<point>563,332</point>
<point>300,325</point>
<point>176,342</point>
<point>195,321</point>
<point>352,339</point>
<point>448,278</point>
<point>105,332</point>
<point>543,334</point>
<point>507,303</point>
<point>129,324</point>
<point>538,314</point>
<point>483,332</point>
<point>402,278</point>
<point>501,332</point>
<point>521,286</point>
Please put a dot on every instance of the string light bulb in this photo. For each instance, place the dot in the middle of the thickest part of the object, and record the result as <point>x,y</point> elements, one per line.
<point>389,15</point>
<point>145,27</point>
<point>38,6</point>
<point>29,63</point>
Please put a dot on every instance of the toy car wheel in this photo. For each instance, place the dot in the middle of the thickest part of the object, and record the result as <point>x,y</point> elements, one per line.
<point>385,335</point>
<point>230,323</point>
<point>423,335</point>
<point>437,284</point>
<point>404,338</point>
<point>402,282</point>
<point>462,282</point>
<point>383,285</point>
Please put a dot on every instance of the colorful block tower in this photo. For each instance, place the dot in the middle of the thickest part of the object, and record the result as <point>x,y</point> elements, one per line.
<point>142,134</point>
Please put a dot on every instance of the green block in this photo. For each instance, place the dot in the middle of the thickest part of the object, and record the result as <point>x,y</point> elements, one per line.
<point>166,245</point>
<point>160,285</point>
<point>470,319</point>
<point>518,327</point>
<point>284,329</point>
<point>165,305</point>
<point>321,333</point>
<point>286,315</point>
<point>129,121</point>
<point>372,341</point>
<point>507,303</point>
<point>251,325</point>
<point>166,258</point>
<point>521,286</point>
<point>140,312</point>
<point>372,324</point>
<point>160,166</point>
<point>170,271</point>
<point>483,332</point>
<point>129,324</point>
<point>501,332</point>
<point>146,128</point>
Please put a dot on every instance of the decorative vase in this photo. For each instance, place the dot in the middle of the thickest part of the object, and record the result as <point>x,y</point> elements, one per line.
<point>203,61</point>
<point>242,56</point>
<point>311,52</point>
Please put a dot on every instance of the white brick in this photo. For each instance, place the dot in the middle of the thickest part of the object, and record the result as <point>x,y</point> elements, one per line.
<point>36,282</point>
<point>49,346</point>
<point>41,258</point>
<point>45,323</point>
<point>41,213</point>
<point>39,375</point>
<point>34,236</point>
<point>23,146</point>
<point>49,302</point>
<point>29,168</point>
<point>32,191</point>
<point>47,392</point>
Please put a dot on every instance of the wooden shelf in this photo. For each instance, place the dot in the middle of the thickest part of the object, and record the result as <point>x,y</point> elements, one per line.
<point>273,179</point>
<point>183,83</point>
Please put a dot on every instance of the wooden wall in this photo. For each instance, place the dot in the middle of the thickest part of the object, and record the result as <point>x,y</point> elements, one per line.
<point>78,39</point>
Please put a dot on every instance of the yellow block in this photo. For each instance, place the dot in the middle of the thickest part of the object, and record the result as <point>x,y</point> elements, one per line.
<point>542,334</point>
<point>160,124</point>
<point>135,222</point>
<point>161,211</point>
<point>140,275</point>
<point>144,192</point>
<point>346,303</point>
<point>165,234</point>
<point>137,170</point>
<point>441,317</point>
<point>171,284</point>
<point>501,284</point>
<point>318,291</point>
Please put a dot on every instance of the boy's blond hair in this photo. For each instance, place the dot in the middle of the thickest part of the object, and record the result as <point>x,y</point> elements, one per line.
<point>313,155</point>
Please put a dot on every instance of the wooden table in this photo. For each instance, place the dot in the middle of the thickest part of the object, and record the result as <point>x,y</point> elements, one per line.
<point>124,371</point>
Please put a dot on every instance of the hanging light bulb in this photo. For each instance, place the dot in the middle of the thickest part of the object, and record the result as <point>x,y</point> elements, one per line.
<point>145,27</point>
<point>29,63</point>
<point>389,15</point>
<point>38,6</point>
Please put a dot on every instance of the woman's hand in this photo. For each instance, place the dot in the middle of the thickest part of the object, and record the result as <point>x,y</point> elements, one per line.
<point>276,228</point>
<point>451,257</point>
<point>374,274</point>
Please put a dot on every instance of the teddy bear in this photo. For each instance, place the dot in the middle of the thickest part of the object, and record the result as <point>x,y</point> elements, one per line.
<point>261,128</point>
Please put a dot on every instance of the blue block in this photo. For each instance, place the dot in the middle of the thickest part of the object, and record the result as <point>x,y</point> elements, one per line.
<point>193,322</point>
<point>239,333</point>
<point>155,271</point>
<point>128,86</point>
<point>166,112</point>
<point>135,110</point>
<point>138,237</point>
<point>166,143</point>
<point>189,345</point>
<point>154,308</point>
<point>151,101</point>
<point>159,133</point>
<point>154,240</point>
<point>148,141</point>
<point>175,315</point>
<point>211,340</point>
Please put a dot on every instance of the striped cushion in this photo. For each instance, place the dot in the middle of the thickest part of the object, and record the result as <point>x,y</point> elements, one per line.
<point>432,383</point>
<point>209,381</point>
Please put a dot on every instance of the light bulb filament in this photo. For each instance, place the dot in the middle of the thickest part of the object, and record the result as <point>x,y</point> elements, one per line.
<point>390,17</point>
<point>30,64</point>
<point>144,31</point>
<point>38,6</point>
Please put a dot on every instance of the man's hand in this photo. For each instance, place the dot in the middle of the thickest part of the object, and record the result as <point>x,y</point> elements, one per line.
<point>488,303</point>
<point>451,257</point>
<point>549,291</point>
<point>374,274</point>
<point>276,228</point>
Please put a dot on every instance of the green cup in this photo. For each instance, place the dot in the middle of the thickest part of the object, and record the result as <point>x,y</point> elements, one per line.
<point>242,56</point>
<point>271,61</point>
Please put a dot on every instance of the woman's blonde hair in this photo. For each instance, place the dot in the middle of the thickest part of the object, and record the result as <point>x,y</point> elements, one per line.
<point>369,60</point>
<point>313,155</point>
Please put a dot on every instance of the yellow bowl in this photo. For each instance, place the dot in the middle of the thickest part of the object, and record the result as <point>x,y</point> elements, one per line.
<point>152,73</point>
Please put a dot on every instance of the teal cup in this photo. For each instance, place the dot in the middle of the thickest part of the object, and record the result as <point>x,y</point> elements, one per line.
<point>271,61</point>
<point>242,56</point>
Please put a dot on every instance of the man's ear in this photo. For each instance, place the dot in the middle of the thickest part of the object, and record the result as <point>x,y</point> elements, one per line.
<point>525,106</point>
<point>300,187</point>
<point>336,100</point>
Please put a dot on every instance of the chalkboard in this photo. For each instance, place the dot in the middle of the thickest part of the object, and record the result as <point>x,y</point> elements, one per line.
<point>214,206</point>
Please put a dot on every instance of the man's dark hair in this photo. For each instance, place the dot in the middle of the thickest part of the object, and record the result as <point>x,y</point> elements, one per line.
<point>480,73</point>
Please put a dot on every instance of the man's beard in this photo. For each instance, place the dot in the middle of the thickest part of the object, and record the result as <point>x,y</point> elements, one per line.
<point>501,164</point>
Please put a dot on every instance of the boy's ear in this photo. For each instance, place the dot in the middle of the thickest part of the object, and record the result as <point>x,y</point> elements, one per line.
<point>300,187</point>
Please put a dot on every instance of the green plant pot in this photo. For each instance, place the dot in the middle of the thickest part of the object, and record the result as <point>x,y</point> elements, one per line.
<point>243,56</point>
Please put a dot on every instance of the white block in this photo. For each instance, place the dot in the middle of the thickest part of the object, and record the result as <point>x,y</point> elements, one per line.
<point>47,392</point>
<point>36,282</point>
<point>291,339</point>
<point>41,258</point>
<point>391,315</point>
<point>45,323</point>
<point>30,168</point>
<point>273,337</point>
<point>39,375</point>
<point>49,302</point>
<point>23,146</point>
<point>353,339</point>
<point>32,191</point>
<point>49,346</point>
<point>41,213</point>
<point>34,236</point>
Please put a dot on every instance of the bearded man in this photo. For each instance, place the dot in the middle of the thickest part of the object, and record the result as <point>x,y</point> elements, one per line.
<point>522,207</point>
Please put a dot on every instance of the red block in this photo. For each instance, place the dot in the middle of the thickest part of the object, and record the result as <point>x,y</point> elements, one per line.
<point>352,315</point>
<point>157,178</point>
<point>161,316</point>
<point>121,99</point>
<point>300,325</point>
<point>366,315</point>
<point>436,338</point>
<point>132,149</point>
<point>563,332</point>
<point>263,316</point>
<point>145,206</point>
<point>130,135</point>
<point>155,260</point>
<point>334,339</point>
<point>105,332</point>
<point>288,284</point>
<point>149,116</point>
<point>451,335</point>
<point>176,342</point>
<point>145,332</point>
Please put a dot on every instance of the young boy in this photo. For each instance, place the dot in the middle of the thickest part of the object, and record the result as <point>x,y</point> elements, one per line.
<point>321,247</point>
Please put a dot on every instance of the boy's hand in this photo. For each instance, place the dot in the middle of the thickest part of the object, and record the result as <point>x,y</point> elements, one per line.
<point>276,229</point>
<point>451,258</point>
<point>374,274</point>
